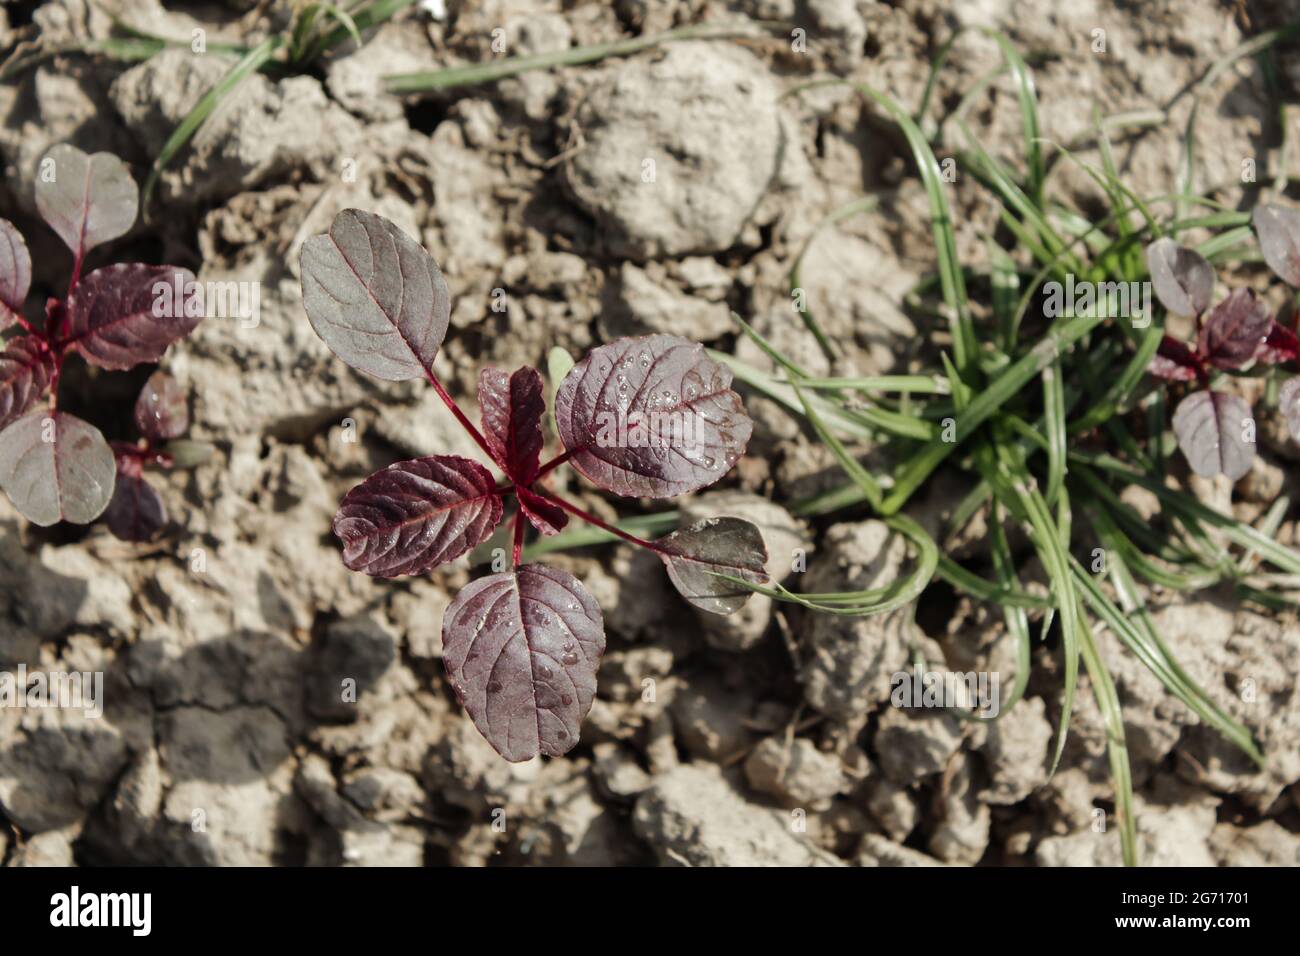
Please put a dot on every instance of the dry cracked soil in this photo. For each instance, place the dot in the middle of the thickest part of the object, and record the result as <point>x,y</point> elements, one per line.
<point>762,739</point>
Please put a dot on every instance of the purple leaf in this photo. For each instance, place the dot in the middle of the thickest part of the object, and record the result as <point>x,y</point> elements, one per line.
<point>521,650</point>
<point>136,511</point>
<point>125,314</point>
<point>26,367</point>
<point>1234,330</point>
<point>695,556</point>
<point>1174,361</point>
<point>512,407</point>
<point>375,297</point>
<point>1281,345</point>
<point>87,200</point>
<point>543,514</point>
<point>1288,403</point>
<point>1212,430</point>
<point>55,467</point>
<point>417,514</point>
<point>652,416</point>
<point>1278,230</point>
<point>1182,278</point>
<point>15,273</point>
<point>160,411</point>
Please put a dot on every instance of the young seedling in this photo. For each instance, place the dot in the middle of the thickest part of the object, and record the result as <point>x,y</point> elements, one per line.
<point>54,466</point>
<point>1215,429</point>
<point>648,417</point>
<point>136,511</point>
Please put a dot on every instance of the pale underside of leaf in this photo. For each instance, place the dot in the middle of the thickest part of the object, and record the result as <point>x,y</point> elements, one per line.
<point>651,416</point>
<point>55,467</point>
<point>696,556</point>
<point>1288,402</point>
<point>415,515</point>
<point>15,273</point>
<point>521,649</point>
<point>89,200</point>
<point>1212,429</point>
<point>1278,230</point>
<point>129,313</point>
<point>375,297</point>
<point>1182,278</point>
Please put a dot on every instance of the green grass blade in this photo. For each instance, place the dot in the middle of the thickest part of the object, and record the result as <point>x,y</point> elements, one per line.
<point>1053,552</point>
<point>250,63</point>
<point>784,394</point>
<point>965,345</point>
<point>359,19</point>
<point>908,384</point>
<point>1103,689</point>
<point>1054,419</point>
<point>1017,620</point>
<point>1028,99</point>
<point>477,73</point>
<point>1153,654</point>
<point>1238,532</point>
<point>936,65</point>
<point>859,475</point>
<point>919,467</point>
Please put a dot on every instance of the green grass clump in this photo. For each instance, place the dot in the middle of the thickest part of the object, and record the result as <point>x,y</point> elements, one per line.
<point>1051,418</point>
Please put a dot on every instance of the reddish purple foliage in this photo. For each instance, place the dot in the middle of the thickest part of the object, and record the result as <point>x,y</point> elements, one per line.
<point>521,649</point>
<point>126,314</point>
<point>160,410</point>
<point>136,511</point>
<point>652,416</point>
<point>57,467</point>
<point>512,408</point>
<point>415,515</point>
<point>1175,361</point>
<point>26,367</point>
<point>542,513</point>
<point>88,200</point>
<point>1216,430</point>
<point>1280,346</point>
<point>521,646</point>
<point>1234,331</point>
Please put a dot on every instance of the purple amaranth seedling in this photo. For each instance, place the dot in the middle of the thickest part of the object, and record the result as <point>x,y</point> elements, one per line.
<point>54,466</point>
<point>1216,429</point>
<point>651,416</point>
